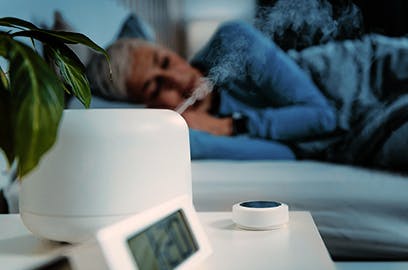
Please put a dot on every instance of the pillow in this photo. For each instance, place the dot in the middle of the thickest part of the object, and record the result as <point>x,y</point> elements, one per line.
<point>135,27</point>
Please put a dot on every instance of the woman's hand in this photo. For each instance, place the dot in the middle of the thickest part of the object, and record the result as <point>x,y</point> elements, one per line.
<point>205,122</point>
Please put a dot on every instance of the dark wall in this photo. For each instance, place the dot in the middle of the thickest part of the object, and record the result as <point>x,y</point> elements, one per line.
<point>388,17</point>
<point>3,204</point>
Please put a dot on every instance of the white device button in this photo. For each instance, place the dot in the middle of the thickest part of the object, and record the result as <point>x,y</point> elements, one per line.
<point>260,215</point>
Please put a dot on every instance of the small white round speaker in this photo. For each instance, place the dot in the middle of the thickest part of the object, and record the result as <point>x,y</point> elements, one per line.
<point>260,215</point>
<point>107,164</point>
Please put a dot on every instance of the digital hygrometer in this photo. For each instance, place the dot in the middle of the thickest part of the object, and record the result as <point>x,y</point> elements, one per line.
<point>168,236</point>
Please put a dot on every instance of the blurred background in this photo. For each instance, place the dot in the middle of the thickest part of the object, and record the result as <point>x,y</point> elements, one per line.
<point>185,25</point>
<point>182,25</point>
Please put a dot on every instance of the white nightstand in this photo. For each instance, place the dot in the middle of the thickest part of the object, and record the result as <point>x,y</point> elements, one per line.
<point>298,246</point>
<point>19,249</point>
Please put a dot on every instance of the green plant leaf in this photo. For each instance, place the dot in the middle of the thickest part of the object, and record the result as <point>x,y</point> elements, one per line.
<point>15,22</point>
<point>62,36</point>
<point>37,104</point>
<point>51,36</point>
<point>72,72</point>
<point>6,127</point>
<point>3,79</point>
<point>2,48</point>
<point>31,95</point>
<point>58,38</point>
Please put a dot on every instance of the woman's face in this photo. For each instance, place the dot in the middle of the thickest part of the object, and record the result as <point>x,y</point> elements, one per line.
<point>160,78</point>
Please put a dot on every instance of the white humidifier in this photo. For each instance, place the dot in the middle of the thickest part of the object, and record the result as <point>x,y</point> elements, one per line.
<point>107,164</point>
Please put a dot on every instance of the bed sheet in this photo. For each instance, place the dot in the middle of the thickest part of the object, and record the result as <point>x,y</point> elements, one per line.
<point>361,214</point>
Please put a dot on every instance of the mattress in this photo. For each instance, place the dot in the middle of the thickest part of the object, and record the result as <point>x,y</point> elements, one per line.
<point>361,214</point>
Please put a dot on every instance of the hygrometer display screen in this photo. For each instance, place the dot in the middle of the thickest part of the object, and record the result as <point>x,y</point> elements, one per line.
<point>163,245</point>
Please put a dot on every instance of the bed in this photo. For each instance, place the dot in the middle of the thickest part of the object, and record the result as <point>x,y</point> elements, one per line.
<point>361,214</point>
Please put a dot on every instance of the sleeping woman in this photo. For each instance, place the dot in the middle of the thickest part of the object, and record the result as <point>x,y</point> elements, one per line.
<point>343,101</point>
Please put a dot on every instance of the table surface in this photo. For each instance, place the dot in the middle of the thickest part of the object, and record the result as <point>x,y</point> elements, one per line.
<point>296,246</point>
<point>19,249</point>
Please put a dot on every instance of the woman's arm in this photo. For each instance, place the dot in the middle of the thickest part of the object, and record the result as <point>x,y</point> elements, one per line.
<point>294,122</point>
<point>205,122</point>
<point>207,146</point>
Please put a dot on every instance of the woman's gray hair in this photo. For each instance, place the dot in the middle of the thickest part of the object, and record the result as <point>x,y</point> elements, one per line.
<point>121,60</point>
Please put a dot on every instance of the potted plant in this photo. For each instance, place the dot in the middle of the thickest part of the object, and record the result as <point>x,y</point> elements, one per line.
<point>32,89</point>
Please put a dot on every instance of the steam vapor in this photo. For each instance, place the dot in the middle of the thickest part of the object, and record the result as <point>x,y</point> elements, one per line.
<point>298,24</point>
